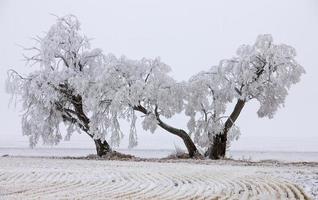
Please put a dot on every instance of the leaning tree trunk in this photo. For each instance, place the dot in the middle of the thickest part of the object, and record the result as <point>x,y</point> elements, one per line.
<point>217,149</point>
<point>102,147</point>
<point>192,149</point>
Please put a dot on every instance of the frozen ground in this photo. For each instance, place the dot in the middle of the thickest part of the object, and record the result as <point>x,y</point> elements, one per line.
<point>282,156</point>
<point>45,178</point>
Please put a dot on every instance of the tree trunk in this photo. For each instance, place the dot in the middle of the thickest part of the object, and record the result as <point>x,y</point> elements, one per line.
<point>102,148</point>
<point>217,149</point>
<point>192,149</point>
<point>81,119</point>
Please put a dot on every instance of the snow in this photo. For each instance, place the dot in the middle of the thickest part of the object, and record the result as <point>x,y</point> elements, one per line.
<point>281,156</point>
<point>44,178</point>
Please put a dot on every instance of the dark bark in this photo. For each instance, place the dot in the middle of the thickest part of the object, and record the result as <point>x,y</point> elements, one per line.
<point>102,148</point>
<point>77,116</point>
<point>217,149</point>
<point>192,149</point>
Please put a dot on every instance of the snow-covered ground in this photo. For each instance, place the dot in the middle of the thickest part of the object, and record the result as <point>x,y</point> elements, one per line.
<point>47,178</point>
<point>282,156</point>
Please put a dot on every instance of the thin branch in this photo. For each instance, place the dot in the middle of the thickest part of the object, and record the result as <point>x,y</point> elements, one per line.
<point>148,75</point>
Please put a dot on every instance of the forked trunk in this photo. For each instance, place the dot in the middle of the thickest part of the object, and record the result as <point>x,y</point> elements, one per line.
<point>102,148</point>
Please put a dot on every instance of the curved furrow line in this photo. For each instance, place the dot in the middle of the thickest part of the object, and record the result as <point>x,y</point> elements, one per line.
<point>133,184</point>
<point>119,190</point>
<point>244,193</point>
<point>61,182</point>
<point>288,191</point>
<point>56,176</point>
<point>208,185</point>
<point>42,176</point>
<point>253,185</point>
<point>50,176</point>
<point>18,177</point>
<point>298,191</point>
<point>263,184</point>
<point>49,189</point>
<point>115,182</point>
<point>276,190</point>
<point>163,185</point>
<point>205,179</point>
<point>175,186</point>
<point>151,184</point>
<point>47,186</point>
<point>121,185</point>
<point>11,176</point>
<point>295,191</point>
<point>90,187</point>
<point>158,191</point>
<point>231,188</point>
<point>23,191</point>
<point>282,192</point>
<point>134,191</point>
<point>97,192</point>
<point>239,190</point>
<point>257,186</point>
<point>142,187</point>
<point>198,194</point>
<point>223,186</point>
<point>272,188</point>
<point>179,187</point>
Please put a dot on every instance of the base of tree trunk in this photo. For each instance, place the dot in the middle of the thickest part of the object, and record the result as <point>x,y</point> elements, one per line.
<point>192,149</point>
<point>102,148</point>
<point>218,148</point>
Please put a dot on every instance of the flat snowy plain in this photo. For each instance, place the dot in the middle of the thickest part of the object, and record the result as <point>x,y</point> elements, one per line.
<point>57,178</point>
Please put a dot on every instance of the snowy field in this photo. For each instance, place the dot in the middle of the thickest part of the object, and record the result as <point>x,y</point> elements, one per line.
<point>282,156</point>
<point>45,178</point>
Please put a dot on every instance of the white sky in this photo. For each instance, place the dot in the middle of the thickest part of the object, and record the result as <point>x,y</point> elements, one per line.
<point>190,36</point>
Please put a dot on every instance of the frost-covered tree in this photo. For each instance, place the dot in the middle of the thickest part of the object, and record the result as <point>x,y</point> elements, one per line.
<point>59,90</point>
<point>145,86</point>
<point>264,72</point>
<point>90,92</point>
<point>208,95</point>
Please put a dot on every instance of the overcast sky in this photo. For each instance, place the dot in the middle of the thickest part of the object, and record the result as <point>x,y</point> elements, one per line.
<point>190,36</point>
